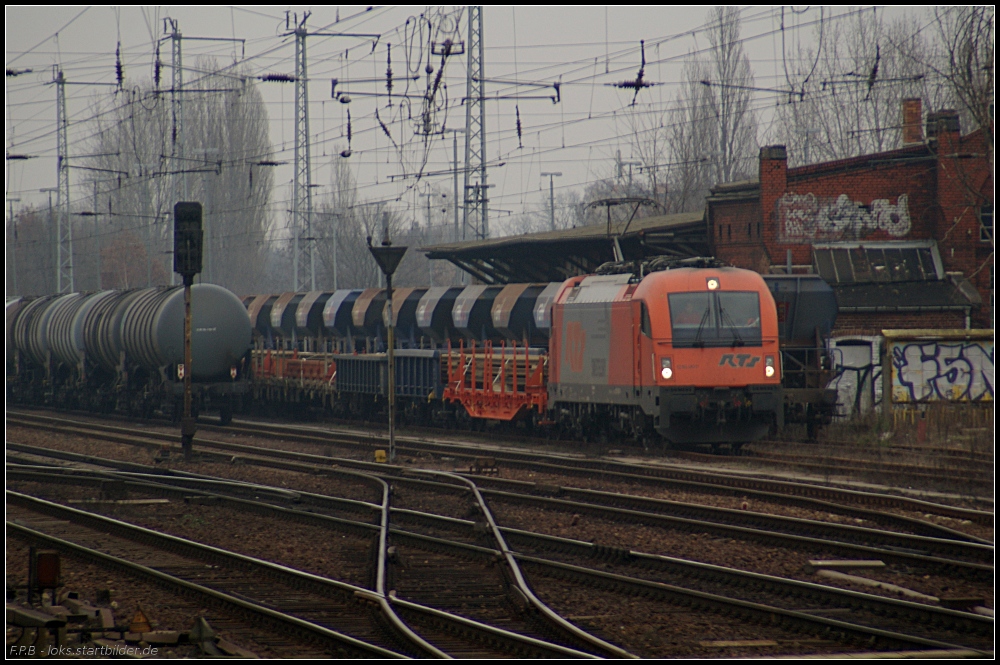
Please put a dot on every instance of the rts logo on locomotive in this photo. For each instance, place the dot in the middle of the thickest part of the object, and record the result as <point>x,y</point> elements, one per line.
<point>738,360</point>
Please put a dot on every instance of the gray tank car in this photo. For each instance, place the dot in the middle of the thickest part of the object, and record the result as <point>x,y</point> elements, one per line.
<point>121,350</point>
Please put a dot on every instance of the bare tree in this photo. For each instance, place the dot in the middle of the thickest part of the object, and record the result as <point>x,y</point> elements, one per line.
<point>965,60</point>
<point>711,127</point>
<point>848,90</point>
<point>30,260</point>
<point>135,160</point>
<point>335,220</point>
<point>734,125</point>
<point>228,135</point>
<point>343,225</point>
<point>129,142</point>
<point>650,137</point>
<point>690,174</point>
<point>569,213</point>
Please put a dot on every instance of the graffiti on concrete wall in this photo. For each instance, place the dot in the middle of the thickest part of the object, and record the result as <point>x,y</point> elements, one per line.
<point>808,218</point>
<point>858,379</point>
<point>942,371</point>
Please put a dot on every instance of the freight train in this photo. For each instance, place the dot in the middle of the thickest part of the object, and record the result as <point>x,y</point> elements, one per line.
<point>686,352</point>
<point>124,350</point>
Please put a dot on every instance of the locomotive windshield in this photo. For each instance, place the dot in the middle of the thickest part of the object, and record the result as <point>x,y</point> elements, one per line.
<point>715,318</point>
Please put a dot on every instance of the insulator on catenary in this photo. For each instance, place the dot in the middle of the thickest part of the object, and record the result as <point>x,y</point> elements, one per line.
<point>119,69</point>
<point>517,110</point>
<point>388,68</point>
<point>156,67</point>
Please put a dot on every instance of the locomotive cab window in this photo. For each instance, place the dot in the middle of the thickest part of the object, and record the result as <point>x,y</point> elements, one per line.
<point>716,318</point>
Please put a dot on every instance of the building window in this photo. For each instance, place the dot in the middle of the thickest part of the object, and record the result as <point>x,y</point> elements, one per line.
<point>856,263</point>
<point>986,223</point>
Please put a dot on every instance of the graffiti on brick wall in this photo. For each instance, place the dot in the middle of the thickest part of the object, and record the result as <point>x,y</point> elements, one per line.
<point>808,218</point>
<point>942,371</point>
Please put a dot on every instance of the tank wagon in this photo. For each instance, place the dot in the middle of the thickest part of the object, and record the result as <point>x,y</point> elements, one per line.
<point>124,350</point>
<point>688,351</point>
<point>807,310</point>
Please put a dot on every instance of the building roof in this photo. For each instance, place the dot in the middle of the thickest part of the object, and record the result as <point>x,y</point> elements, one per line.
<point>552,256</point>
<point>945,294</point>
<point>735,191</point>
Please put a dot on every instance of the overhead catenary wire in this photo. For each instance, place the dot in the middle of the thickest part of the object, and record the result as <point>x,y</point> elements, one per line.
<point>541,122</point>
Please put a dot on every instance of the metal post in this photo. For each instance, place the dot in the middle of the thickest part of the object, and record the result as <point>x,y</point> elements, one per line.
<point>206,229</point>
<point>388,259</point>
<point>50,191</point>
<point>454,157</point>
<point>301,184</point>
<point>336,227</point>
<point>392,370</point>
<point>13,246</point>
<point>187,262</point>
<point>187,423</point>
<point>64,227</point>
<point>147,214</point>
<point>430,268</point>
<point>552,200</point>
<point>177,103</point>
<point>476,212</point>
<point>97,236</point>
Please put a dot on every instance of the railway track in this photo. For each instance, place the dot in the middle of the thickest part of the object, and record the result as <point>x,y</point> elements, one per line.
<point>401,477</point>
<point>218,576</point>
<point>949,472</point>
<point>949,556</point>
<point>911,551</point>
<point>366,618</point>
<point>958,451</point>
<point>806,607</point>
<point>821,497</point>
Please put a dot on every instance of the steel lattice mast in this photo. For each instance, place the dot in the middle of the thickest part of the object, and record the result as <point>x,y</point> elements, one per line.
<point>476,215</point>
<point>64,230</point>
<point>303,250</point>
<point>177,106</point>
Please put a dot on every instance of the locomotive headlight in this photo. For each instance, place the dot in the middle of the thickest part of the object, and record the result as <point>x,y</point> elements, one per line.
<point>769,366</point>
<point>713,283</point>
<point>666,371</point>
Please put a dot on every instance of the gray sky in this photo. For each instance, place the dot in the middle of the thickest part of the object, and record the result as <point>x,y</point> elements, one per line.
<point>584,47</point>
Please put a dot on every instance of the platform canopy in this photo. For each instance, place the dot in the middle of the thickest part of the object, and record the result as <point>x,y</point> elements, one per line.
<point>553,256</point>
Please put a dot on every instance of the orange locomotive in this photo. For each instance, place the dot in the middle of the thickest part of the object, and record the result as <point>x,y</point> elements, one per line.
<point>688,351</point>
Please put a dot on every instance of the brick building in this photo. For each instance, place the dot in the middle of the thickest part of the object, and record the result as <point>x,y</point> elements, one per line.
<point>905,237</point>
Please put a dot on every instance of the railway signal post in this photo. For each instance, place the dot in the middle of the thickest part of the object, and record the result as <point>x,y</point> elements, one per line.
<point>187,263</point>
<point>388,257</point>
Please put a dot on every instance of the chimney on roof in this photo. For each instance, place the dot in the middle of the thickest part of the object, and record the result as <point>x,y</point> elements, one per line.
<point>942,122</point>
<point>912,121</point>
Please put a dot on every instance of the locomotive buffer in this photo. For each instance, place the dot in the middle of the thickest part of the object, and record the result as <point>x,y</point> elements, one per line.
<point>187,263</point>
